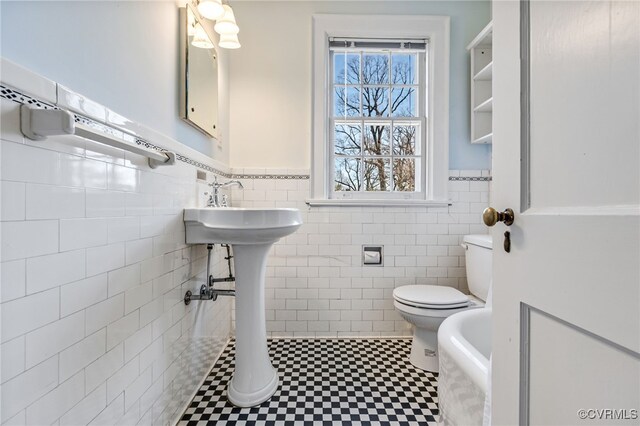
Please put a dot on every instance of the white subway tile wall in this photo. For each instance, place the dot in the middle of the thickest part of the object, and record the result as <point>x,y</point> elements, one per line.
<point>316,283</point>
<point>94,271</point>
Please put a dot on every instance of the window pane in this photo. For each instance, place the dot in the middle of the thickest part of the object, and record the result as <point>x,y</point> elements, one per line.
<point>348,139</point>
<point>346,102</point>
<point>404,139</point>
<point>403,102</point>
<point>375,101</point>
<point>403,68</point>
<point>375,68</point>
<point>338,68</point>
<point>377,173</point>
<point>347,174</point>
<point>353,102</point>
<point>376,139</point>
<point>339,101</point>
<point>404,174</point>
<point>353,68</point>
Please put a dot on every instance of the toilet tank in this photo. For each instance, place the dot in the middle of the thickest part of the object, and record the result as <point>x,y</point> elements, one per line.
<point>478,256</point>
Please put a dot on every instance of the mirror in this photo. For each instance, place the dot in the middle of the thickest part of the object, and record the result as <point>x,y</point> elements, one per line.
<point>199,69</point>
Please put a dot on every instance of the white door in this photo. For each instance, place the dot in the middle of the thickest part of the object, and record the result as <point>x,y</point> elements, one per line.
<point>566,333</point>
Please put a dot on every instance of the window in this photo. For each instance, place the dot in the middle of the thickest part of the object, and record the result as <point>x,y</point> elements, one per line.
<point>380,109</point>
<point>378,117</point>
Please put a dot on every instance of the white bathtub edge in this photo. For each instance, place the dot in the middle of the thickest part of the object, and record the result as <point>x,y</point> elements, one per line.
<point>460,350</point>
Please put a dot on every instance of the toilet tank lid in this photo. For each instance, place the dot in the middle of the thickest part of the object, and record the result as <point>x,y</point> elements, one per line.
<point>479,240</point>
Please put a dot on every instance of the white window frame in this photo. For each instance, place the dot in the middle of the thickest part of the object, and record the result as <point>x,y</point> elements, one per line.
<point>435,149</point>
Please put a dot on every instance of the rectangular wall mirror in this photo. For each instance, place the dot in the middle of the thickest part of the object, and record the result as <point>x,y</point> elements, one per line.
<point>199,74</point>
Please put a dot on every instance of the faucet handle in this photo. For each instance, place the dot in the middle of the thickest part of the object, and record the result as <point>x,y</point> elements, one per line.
<point>224,202</point>
<point>215,183</point>
<point>209,202</point>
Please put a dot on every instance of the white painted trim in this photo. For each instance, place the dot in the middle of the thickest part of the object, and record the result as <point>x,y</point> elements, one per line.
<point>434,28</point>
<point>486,32</point>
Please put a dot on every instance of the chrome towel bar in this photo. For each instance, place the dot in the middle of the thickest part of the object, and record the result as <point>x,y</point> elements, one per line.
<point>37,123</point>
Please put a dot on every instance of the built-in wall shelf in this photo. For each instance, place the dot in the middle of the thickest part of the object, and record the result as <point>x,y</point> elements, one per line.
<point>484,139</point>
<point>486,106</point>
<point>485,74</point>
<point>481,90</point>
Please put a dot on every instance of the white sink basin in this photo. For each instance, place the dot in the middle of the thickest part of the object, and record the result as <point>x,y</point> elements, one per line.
<point>251,232</point>
<point>230,225</point>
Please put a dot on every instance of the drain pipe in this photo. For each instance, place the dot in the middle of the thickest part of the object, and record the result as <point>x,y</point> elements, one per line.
<point>228,258</point>
<point>207,292</point>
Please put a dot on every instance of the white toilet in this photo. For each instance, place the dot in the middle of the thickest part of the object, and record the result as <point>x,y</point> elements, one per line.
<point>426,306</point>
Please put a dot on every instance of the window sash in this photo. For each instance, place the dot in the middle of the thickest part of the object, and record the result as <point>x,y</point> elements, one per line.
<point>420,119</point>
<point>418,156</point>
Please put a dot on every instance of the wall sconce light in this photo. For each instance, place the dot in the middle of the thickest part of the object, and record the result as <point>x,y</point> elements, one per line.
<point>191,25</point>
<point>227,24</point>
<point>200,38</point>
<point>229,41</point>
<point>211,9</point>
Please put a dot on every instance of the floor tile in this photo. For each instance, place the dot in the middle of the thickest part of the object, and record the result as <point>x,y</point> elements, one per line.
<point>326,381</point>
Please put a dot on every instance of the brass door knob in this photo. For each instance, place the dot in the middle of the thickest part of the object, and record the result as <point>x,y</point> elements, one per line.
<point>491,216</point>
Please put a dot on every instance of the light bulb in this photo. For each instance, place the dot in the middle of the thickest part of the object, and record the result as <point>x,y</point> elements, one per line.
<point>227,24</point>
<point>201,39</point>
<point>211,9</point>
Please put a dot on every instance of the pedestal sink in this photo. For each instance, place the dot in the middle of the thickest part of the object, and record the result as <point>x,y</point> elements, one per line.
<point>251,232</point>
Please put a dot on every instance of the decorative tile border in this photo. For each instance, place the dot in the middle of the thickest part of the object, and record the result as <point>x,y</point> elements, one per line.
<point>470,178</point>
<point>21,98</point>
<point>202,166</point>
<point>266,176</point>
<point>305,177</point>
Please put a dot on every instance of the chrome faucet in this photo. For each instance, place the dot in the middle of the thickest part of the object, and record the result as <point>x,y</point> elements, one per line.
<point>214,197</point>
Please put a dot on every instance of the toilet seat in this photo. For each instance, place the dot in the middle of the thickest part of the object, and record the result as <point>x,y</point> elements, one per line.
<point>432,306</point>
<point>431,297</point>
<point>431,313</point>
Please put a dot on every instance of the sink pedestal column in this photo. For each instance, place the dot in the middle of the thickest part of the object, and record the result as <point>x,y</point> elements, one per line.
<point>254,380</point>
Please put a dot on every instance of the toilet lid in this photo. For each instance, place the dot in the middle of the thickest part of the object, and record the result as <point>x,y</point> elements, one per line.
<point>431,296</point>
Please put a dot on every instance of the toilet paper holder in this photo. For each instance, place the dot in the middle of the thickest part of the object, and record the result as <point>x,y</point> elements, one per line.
<point>372,256</point>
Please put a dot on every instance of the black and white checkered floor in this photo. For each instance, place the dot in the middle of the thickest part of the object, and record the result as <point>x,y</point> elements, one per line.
<point>326,381</point>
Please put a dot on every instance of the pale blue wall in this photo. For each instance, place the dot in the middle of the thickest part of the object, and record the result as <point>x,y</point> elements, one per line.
<point>122,54</point>
<point>467,19</point>
<point>280,31</point>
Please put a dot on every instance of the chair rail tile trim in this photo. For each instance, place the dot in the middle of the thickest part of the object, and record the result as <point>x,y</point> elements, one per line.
<point>470,178</point>
<point>268,176</point>
<point>22,98</point>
